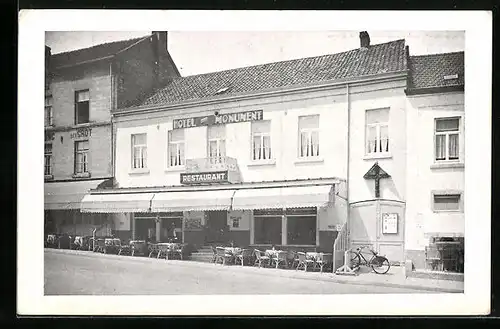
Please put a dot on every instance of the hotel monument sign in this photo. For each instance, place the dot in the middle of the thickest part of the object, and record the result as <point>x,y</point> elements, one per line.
<point>220,119</point>
<point>205,177</point>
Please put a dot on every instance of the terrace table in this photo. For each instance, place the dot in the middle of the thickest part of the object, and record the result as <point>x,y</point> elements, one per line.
<point>165,248</point>
<point>233,250</point>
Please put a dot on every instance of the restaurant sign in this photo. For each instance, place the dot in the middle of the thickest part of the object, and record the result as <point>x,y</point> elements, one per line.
<point>220,119</point>
<point>206,177</point>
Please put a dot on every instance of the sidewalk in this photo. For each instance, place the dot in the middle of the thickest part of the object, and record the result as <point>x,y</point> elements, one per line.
<point>394,278</point>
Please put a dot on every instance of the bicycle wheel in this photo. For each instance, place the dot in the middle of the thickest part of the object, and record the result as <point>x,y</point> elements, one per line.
<point>355,260</point>
<point>380,265</point>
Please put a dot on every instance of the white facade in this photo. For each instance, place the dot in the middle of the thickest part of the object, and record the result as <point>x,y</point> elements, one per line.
<point>427,176</point>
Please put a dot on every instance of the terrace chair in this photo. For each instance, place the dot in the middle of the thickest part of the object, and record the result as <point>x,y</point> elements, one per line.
<point>280,258</point>
<point>324,260</point>
<point>292,258</point>
<point>223,255</point>
<point>214,254</point>
<point>179,251</point>
<point>433,258</point>
<point>245,255</point>
<point>303,261</point>
<point>154,251</point>
<point>261,258</point>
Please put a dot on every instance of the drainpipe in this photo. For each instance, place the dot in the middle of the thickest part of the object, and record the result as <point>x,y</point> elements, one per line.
<point>348,161</point>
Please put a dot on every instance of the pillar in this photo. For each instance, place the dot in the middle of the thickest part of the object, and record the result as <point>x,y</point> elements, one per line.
<point>283,230</point>
<point>158,228</point>
<point>132,220</point>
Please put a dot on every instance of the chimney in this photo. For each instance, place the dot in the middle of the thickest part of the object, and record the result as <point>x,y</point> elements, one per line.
<point>364,39</point>
<point>48,53</point>
<point>160,38</point>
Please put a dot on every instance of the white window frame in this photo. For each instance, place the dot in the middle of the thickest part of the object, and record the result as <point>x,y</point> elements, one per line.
<point>48,112</point>
<point>308,132</point>
<point>444,194</point>
<point>378,139</point>
<point>447,140</point>
<point>84,164</point>
<point>262,136</point>
<point>49,157</point>
<point>177,145</point>
<point>219,157</point>
<point>142,151</point>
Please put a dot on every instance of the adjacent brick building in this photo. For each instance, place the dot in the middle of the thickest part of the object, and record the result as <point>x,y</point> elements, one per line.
<point>81,89</point>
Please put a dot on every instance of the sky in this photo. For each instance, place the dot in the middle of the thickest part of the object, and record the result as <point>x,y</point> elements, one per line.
<point>202,52</point>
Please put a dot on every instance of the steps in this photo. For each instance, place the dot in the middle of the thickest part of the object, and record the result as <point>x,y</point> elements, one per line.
<point>203,254</point>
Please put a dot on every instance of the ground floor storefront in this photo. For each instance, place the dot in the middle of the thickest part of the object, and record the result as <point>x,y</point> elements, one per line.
<point>62,214</point>
<point>296,215</point>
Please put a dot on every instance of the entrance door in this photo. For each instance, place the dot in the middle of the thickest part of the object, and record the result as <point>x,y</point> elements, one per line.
<point>216,227</point>
<point>380,225</point>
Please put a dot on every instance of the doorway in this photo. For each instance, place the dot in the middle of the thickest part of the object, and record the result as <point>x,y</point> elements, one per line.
<point>380,225</point>
<point>216,227</point>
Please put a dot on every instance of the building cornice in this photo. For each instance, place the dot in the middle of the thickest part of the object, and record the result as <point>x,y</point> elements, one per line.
<point>73,127</point>
<point>368,79</point>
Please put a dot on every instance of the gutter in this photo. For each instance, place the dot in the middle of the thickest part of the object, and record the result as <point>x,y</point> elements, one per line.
<point>434,90</point>
<point>183,104</point>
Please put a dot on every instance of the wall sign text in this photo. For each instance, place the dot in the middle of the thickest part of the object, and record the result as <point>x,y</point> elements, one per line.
<point>81,132</point>
<point>207,177</point>
<point>220,119</point>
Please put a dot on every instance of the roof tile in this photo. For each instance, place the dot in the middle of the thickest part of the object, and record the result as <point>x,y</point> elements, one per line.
<point>379,58</point>
<point>91,53</point>
<point>428,71</point>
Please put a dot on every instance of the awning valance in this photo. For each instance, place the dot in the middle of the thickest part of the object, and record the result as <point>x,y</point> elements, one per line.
<point>283,197</point>
<point>67,195</point>
<point>117,203</point>
<point>192,201</point>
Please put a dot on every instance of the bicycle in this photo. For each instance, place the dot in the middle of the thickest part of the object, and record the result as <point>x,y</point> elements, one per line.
<point>379,264</point>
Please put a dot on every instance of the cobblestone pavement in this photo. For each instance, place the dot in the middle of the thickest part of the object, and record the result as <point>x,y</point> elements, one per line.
<point>90,274</point>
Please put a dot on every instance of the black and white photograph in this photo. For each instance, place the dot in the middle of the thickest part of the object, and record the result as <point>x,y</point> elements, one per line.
<point>224,163</point>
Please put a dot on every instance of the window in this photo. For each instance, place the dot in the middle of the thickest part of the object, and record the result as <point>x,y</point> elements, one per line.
<point>301,227</point>
<point>81,157</point>
<point>217,143</point>
<point>139,151</point>
<point>447,202</point>
<point>267,230</point>
<point>176,148</point>
<point>445,254</point>
<point>48,159</point>
<point>377,131</point>
<point>309,136</point>
<point>82,100</point>
<point>235,221</point>
<point>261,140</point>
<point>48,111</point>
<point>447,139</point>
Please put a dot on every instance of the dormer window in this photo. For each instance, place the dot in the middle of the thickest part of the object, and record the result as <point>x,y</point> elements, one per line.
<point>450,77</point>
<point>222,90</point>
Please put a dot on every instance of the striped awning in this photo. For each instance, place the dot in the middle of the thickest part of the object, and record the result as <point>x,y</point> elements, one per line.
<point>117,203</point>
<point>67,195</point>
<point>192,201</point>
<point>283,197</point>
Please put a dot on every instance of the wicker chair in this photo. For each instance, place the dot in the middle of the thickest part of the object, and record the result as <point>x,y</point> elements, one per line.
<point>224,256</point>
<point>280,259</point>
<point>324,260</point>
<point>292,258</point>
<point>303,261</point>
<point>245,255</point>
<point>261,258</point>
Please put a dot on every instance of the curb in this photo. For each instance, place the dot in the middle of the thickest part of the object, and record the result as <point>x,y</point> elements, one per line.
<point>325,277</point>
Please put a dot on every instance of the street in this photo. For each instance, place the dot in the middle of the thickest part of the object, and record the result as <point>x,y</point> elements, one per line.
<point>95,274</point>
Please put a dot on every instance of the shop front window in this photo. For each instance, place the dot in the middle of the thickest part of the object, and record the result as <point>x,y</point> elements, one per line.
<point>267,230</point>
<point>445,254</point>
<point>301,230</point>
